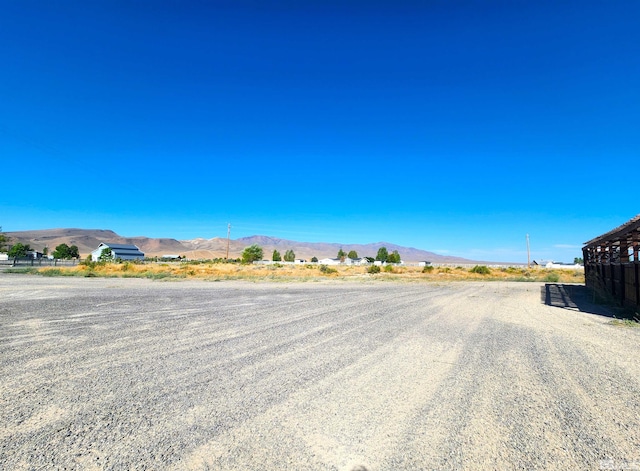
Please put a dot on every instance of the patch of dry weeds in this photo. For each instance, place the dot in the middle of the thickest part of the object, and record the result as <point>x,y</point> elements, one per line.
<point>306,272</point>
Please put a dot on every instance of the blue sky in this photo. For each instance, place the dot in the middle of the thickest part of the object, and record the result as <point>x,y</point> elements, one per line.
<point>451,126</point>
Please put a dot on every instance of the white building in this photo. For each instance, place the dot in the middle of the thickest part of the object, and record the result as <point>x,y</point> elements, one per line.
<point>329,261</point>
<point>118,251</point>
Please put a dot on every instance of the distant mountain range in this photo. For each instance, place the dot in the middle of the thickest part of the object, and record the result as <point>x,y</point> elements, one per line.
<point>88,240</point>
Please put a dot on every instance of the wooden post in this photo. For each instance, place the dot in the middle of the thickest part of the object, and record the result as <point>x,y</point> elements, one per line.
<point>623,294</point>
<point>636,273</point>
<point>624,251</point>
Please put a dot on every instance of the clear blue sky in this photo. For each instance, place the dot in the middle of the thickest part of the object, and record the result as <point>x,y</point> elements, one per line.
<point>451,126</point>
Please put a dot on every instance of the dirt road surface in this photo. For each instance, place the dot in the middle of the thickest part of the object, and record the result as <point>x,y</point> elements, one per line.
<point>120,374</point>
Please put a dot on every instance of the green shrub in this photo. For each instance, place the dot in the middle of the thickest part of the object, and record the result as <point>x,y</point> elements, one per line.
<point>373,269</point>
<point>30,271</point>
<point>481,270</point>
<point>160,275</point>
<point>327,269</point>
<point>87,262</point>
<point>388,268</point>
<point>427,269</point>
<point>552,277</point>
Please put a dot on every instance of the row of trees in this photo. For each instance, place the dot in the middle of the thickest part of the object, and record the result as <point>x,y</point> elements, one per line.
<point>20,250</point>
<point>383,256</point>
<point>289,256</point>
<point>254,253</point>
<point>62,251</point>
<point>342,255</point>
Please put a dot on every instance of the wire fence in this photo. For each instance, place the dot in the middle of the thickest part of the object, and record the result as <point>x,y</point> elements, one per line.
<point>37,262</point>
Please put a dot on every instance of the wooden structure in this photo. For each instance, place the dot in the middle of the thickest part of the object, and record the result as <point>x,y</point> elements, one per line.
<point>612,263</point>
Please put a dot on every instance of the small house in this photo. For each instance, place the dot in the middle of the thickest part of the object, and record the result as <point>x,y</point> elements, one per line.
<point>329,261</point>
<point>168,257</point>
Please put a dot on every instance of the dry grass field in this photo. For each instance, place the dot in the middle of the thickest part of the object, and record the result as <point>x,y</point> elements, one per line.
<point>308,272</point>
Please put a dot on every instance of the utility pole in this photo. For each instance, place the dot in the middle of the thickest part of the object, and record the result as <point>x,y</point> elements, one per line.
<point>228,235</point>
<point>528,253</point>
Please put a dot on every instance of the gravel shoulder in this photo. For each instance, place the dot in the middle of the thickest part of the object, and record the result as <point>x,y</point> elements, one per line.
<point>112,374</point>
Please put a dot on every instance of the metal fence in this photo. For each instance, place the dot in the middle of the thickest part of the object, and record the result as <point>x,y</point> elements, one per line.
<point>37,262</point>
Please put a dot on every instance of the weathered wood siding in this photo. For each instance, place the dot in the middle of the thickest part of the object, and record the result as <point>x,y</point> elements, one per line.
<point>612,263</point>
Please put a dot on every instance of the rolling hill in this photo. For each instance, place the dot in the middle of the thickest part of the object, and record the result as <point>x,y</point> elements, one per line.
<point>88,239</point>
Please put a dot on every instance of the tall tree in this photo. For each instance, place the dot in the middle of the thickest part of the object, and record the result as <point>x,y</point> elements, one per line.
<point>106,255</point>
<point>251,254</point>
<point>342,254</point>
<point>383,254</point>
<point>289,256</point>
<point>19,250</point>
<point>4,240</point>
<point>394,257</point>
<point>352,254</point>
<point>276,256</point>
<point>62,251</point>
<point>74,252</point>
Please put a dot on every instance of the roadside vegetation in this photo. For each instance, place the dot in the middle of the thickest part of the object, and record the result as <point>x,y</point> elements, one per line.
<point>629,323</point>
<point>219,270</point>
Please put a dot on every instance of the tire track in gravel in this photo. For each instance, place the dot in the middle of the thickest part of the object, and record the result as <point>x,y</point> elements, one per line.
<point>405,369</point>
<point>100,372</point>
<point>352,394</point>
<point>521,398</point>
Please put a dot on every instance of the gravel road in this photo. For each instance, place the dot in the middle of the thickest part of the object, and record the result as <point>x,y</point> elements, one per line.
<point>121,374</point>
